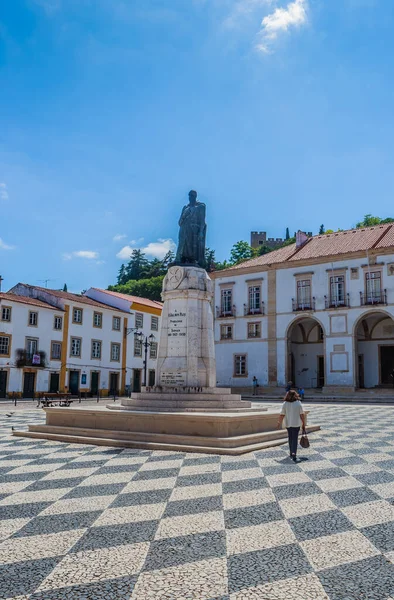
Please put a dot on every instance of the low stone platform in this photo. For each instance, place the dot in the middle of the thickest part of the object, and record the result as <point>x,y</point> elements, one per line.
<point>215,433</point>
<point>204,400</point>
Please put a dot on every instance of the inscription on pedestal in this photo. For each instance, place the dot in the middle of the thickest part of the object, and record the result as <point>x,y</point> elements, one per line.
<point>176,329</point>
<point>173,378</point>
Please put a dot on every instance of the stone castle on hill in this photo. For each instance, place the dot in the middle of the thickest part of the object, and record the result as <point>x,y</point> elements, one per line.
<point>259,238</point>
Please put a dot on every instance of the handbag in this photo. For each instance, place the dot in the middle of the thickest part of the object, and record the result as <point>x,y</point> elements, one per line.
<point>304,441</point>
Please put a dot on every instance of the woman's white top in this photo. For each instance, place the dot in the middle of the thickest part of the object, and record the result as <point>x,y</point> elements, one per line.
<point>292,412</point>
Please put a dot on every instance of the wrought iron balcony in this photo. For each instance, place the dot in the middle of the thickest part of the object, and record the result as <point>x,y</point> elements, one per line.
<point>335,302</point>
<point>255,310</point>
<point>222,314</point>
<point>306,305</point>
<point>254,334</point>
<point>372,298</point>
<point>226,336</point>
<point>23,358</point>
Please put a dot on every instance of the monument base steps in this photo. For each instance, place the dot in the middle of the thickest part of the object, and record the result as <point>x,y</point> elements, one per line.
<point>214,433</point>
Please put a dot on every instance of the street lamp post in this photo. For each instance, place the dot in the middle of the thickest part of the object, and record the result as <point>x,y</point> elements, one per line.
<point>149,340</point>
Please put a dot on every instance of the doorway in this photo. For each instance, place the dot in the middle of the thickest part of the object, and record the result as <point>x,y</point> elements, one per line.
<point>73,383</point>
<point>28,385</point>
<point>361,383</point>
<point>136,380</point>
<point>151,378</point>
<point>320,371</point>
<point>54,383</point>
<point>3,384</point>
<point>94,383</point>
<point>113,384</point>
<point>386,365</point>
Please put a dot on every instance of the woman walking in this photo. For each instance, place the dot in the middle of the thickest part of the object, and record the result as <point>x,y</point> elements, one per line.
<point>293,412</point>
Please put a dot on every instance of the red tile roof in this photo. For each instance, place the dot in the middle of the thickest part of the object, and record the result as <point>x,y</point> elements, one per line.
<point>75,298</point>
<point>131,299</point>
<point>9,297</point>
<point>327,245</point>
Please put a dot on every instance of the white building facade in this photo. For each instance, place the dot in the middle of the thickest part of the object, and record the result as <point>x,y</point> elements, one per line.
<point>318,313</point>
<point>56,341</point>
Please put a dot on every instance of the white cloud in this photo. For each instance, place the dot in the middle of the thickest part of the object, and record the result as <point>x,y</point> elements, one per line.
<point>3,191</point>
<point>89,254</point>
<point>154,249</point>
<point>243,9</point>
<point>280,21</point>
<point>125,252</point>
<point>118,237</point>
<point>4,246</point>
<point>160,248</point>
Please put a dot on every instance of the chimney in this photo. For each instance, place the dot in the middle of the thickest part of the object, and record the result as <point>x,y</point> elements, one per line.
<point>301,238</point>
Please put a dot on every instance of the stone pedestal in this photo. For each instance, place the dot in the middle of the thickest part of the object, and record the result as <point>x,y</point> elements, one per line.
<point>186,356</point>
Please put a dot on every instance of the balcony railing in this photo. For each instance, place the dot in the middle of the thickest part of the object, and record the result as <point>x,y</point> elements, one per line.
<point>222,314</point>
<point>255,310</point>
<point>254,334</point>
<point>372,298</point>
<point>306,305</point>
<point>335,302</point>
<point>23,358</point>
<point>226,336</point>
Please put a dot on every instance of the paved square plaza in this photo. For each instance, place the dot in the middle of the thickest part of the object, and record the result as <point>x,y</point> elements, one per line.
<point>86,522</point>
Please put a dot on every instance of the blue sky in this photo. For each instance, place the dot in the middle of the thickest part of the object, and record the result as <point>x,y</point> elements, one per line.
<point>279,113</point>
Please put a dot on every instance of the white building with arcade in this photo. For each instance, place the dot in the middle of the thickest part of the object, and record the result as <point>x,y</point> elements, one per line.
<point>319,313</point>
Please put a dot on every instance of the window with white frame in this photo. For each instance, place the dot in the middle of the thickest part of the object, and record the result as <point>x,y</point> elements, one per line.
<point>58,323</point>
<point>373,280</point>
<point>337,290</point>
<point>31,346</point>
<point>254,330</point>
<point>139,320</point>
<point>96,349</point>
<point>116,323</point>
<point>97,319</point>
<point>6,313</point>
<point>254,299</point>
<point>240,365</point>
<point>76,346</point>
<point>33,318</point>
<point>226,332</point>
<point>137,346</point>
<point>77,316</point>
<point>56,351</point>
<point>4,345</point>
<point>304,296</point>
<point>153,350</point>
<point>115,352</point>
<point>154,323</point>
<point>226,301</point>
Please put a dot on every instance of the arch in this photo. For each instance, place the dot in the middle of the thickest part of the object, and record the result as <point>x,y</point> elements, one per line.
<point>305,364</point>
<point>304,318</point>
<point>373,358</point>
<point>367,313</point>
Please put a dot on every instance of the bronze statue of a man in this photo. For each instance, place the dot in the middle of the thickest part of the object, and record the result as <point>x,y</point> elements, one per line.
<point>192,232</point>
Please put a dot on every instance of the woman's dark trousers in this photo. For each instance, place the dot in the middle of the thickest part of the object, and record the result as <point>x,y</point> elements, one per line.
<point>293,432</point>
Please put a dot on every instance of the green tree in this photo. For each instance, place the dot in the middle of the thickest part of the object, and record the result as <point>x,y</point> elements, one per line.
<point>239,252</point>
<point>122,275</point>
<point>288,242</point>
<point>143,288</point>
<point>287,233</point>
<point>154,268</point>
<point>321,230</point>
<point>369,221</point>
<point>167,260</point>
<point>210,260</point>
<point>65,287</point>
<point>137,266</point>
<point>263,249</point>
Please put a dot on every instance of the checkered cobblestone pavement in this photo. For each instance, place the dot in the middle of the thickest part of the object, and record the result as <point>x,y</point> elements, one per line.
<point>86,522</point>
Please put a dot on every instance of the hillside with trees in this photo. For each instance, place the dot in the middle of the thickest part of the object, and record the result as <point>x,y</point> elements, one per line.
<point>144,278</point>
